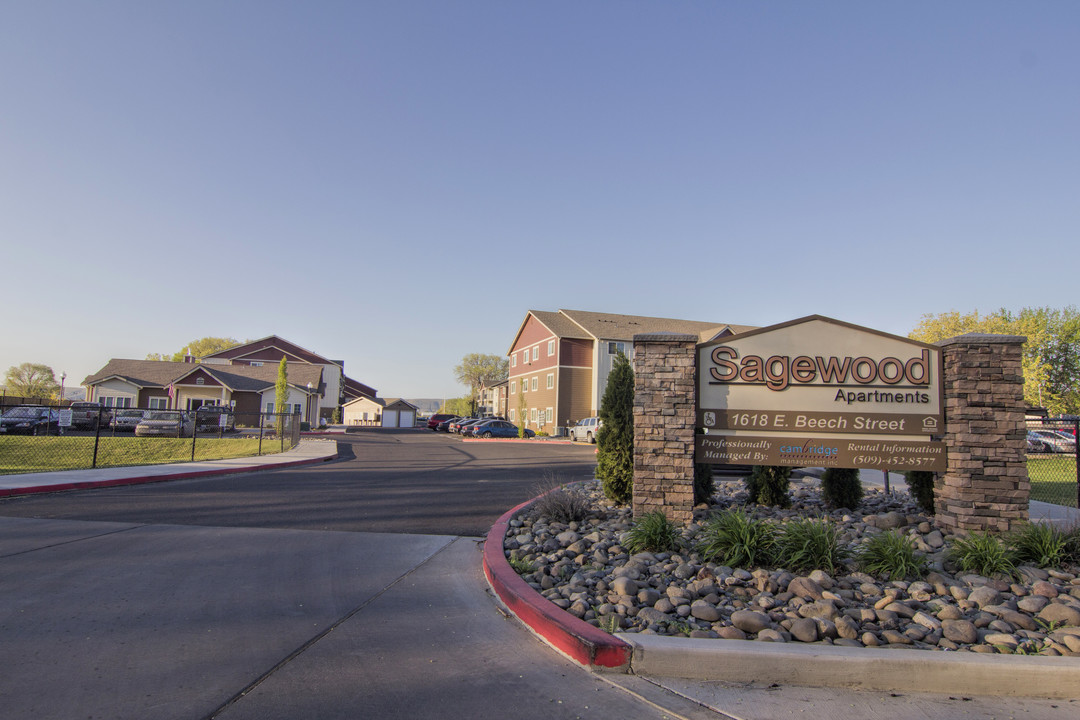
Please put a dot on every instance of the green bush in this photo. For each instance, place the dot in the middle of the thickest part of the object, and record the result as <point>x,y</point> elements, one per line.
<point>1040,544</point>
<point>841,488</point>
<point>562,504</point>
<point>892,556</point>
<point>1072,544</point>
<point>736,539</point>
<point>983,554</point>
<point>921,486</point>
<point>703,483</point>
<point>615,439</point>
<point>808,544</point>
<point>768,485</point>
<point>652,533</point>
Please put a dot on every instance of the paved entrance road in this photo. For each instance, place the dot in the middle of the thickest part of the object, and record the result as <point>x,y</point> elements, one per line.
<point>201,598</point>
<point>404,482</point>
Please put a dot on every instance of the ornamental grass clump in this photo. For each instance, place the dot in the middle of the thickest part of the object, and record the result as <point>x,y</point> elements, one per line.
<point>892,556</point>
<point>560,503</point>
<point>652,533</point>
<point>809,544</point>
<point>1040,544</point>
<point>983,554</point>
<point>736,539</point>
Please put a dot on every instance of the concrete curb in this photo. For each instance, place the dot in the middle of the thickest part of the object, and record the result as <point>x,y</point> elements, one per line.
<point>757,662</point>
<point>923,671</point>
<point>160,477</point>
<point>573,637</point>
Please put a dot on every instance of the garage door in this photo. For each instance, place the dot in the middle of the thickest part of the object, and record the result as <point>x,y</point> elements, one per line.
<point>390,418</point>
<point>407,419</point>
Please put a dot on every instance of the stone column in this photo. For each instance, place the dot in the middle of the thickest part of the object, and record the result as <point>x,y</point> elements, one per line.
<point>665,404</point>
<point>986,486</point>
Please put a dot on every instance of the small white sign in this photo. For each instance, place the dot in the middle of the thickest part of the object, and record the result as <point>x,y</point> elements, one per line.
<point>65,417</point>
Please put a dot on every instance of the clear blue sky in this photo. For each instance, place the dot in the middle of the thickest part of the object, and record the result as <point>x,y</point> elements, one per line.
<point>394,184</point>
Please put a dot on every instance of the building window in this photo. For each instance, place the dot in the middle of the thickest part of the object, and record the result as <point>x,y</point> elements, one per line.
<point>536,353</point>
<point>534,384</point>
<point>524,384</point>
<point>513,386</point>
<point>532,414</point>
<point>513,360</point>
<point>525,355</point>
<point>550,380</point>
<point>616,347</point>
<point>256,364</point>
<point>159,403</point>
<point>512,416</point>
<point>296,408</point>
<point>551,348</point>
<point>550,415</point>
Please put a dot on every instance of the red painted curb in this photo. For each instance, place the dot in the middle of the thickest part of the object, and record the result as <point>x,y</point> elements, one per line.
<point>576,638</point>
<point>145,479</point>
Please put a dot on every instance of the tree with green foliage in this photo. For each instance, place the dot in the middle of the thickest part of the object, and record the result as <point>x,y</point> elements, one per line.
<point>31,380</point>
<point>523,413</point>
<point>478,371</point>
<point>921,486</point>
<point>615,439</point>
<point>197,349</point>
<point>841,488</point>
<point>281,394</point>
<point>456,406</point>
<point>1051,354</point>
<point>768,485</point>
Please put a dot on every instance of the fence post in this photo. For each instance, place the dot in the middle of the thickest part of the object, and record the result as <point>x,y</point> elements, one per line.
<point>1076,457</point>
<point>262,421</point>
<point>194,434</point>
<point>97,437</point>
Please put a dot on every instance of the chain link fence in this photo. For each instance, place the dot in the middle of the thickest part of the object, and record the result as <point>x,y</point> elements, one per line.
<point>1051,459</point>
<point>44,438</point>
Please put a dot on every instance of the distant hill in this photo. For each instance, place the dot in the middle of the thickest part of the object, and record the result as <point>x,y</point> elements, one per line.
<point>427,405</point>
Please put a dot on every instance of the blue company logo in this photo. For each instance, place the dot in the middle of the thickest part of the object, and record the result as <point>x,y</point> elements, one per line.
<point>810,450</point>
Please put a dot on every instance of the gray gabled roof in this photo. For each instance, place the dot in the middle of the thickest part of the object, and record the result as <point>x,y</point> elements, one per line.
<point>609,326</point>
<point>238,378</point>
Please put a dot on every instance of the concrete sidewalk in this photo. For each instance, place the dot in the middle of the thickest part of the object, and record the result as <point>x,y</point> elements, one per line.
<point>307,452</point>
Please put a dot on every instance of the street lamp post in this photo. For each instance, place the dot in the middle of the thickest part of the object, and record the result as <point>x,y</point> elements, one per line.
<point>63,377</point>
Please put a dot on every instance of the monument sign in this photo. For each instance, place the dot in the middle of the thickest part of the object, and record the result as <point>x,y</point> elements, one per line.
<point>817,392</point>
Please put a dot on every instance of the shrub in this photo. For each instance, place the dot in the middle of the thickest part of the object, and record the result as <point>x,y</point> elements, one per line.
<point>768,485</point>
<point>1072,544</point>
<point>841,488</point>
<point>1040,544</point>
<point>615,440</point>
<point>921,486</point>
<point>808,544</point>
<point>652,533</point>
<point>562,504</point>
<point>703,483</point>
<point>736,539</point>
<point>983,554</point>
<point>892,556</point>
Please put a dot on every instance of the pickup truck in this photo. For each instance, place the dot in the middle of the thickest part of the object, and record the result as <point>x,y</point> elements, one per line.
<point>208,419</point>
<point>87,415</point>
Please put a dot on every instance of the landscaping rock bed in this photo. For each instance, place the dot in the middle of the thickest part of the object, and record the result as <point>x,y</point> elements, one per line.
<point>583,568</point>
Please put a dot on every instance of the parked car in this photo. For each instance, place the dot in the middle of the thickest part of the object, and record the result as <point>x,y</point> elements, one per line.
<point>1057,441</point>
<point>585,430</point>
<point>125,420</point>
<point>495,429</point>
<point>208,419</point>
<point>30,420</point>
<point>444,426</point>
<point>1036,444</point>
<point>434,420</point>
<point>456,425</point>
<point>90,415</point>
<point>167,423</point>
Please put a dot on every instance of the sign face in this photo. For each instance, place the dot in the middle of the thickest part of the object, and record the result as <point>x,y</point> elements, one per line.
<point>818,377</point>
<point>65,417</point>
<point>817,451</point>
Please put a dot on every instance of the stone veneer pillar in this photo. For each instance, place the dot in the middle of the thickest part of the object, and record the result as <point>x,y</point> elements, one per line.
<point>665,405</point>
<point>986,485</point>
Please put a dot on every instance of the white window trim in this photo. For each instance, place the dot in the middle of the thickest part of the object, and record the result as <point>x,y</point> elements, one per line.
<point>551,348</point>
<point>536,352</point>
<point>550,381</point>
<point>513,386</point>
<point>513,360</point>
<point>534,384</point>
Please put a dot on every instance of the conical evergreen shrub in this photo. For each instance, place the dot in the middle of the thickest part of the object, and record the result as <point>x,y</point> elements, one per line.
<point>615,439</point>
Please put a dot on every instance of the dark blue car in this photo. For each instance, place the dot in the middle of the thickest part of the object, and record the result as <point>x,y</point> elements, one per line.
<point>495,429</point>
<point>30,420</point>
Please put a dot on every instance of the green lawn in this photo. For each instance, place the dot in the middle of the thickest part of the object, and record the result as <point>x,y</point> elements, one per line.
<point>1053,479</point>
<point>44,454</point>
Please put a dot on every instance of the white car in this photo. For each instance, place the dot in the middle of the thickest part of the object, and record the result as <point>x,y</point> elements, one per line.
<point>165,423</point>
<point>585,430</point>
